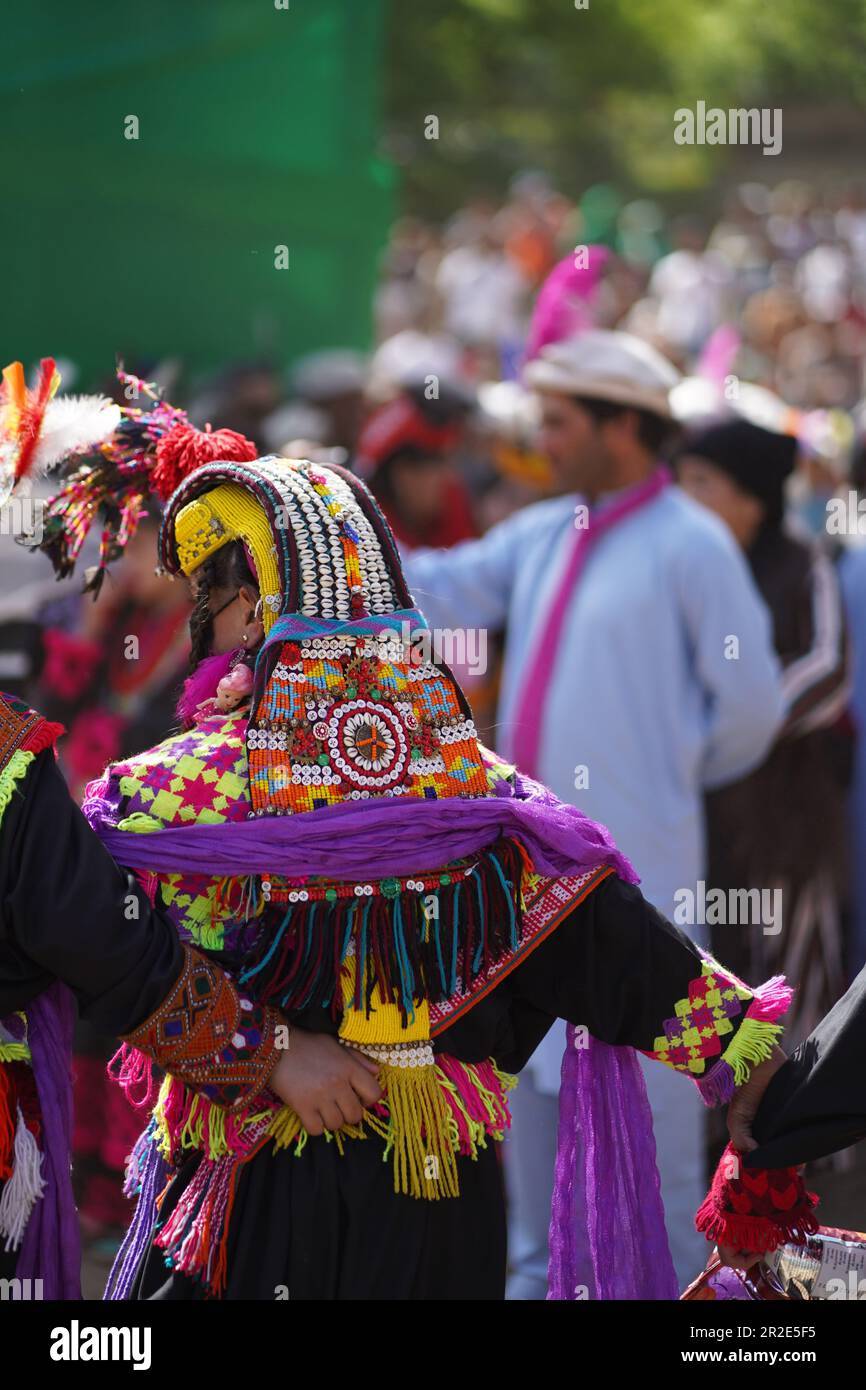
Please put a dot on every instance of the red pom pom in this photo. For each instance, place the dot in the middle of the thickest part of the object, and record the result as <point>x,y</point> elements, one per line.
<point>184,448</point>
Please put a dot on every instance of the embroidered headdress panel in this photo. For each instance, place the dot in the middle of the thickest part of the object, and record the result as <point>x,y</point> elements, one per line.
<point>341,706</point>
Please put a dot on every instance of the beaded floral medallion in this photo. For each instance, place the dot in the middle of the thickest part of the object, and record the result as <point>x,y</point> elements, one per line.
<point>353,717</point>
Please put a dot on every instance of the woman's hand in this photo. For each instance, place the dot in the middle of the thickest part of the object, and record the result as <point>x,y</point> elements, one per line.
<point>744,1107</point>
<point>741,1115</point>
<point>327,1085</point>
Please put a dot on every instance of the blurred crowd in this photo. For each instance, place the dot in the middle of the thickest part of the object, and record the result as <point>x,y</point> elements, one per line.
<point>762,312</point>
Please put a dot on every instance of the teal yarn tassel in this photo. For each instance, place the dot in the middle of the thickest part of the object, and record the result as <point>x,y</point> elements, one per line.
<point>406,979</point>
<point>362,951</point>
<point>254,970</point>
<point>508,888</point>
<point>454,945</point>
<point>482,925</point>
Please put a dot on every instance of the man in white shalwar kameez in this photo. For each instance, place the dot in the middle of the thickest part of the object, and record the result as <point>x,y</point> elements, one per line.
<point>639,671</point>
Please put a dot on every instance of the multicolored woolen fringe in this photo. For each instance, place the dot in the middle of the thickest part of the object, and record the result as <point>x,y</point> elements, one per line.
<point>146,1176</point>
<point>429,1116</point>
<point>425,938</point>
<point>713,1010</point>
<point>20,1129</point>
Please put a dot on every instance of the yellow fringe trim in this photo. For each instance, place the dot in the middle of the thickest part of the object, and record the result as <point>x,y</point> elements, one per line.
<point>754,1043</point>
<point>425,1164</point>
<point>12,773</point>
<point>420,1131</point>
<point>14,1052</point>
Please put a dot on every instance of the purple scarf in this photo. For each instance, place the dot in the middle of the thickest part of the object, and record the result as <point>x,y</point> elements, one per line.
<point>51,1249</point>
<point>357,840</point>
<point>607,1221</point>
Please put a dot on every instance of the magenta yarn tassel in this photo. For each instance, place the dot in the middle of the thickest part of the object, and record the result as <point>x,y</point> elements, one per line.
<point>131,1069</point>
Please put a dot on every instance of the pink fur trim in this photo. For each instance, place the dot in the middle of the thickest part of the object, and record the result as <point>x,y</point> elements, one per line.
<point>202,685</point>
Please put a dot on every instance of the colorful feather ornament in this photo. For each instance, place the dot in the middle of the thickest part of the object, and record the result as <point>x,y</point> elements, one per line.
<point>114,475</point>
<point>74,424</point>
<point>22,415</point>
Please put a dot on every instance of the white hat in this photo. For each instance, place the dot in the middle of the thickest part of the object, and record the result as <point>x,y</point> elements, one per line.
<point>606,366</point>
<point>408,357</point>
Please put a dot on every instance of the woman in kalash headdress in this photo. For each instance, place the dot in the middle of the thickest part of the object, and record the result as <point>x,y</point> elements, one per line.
<point>328,827</point>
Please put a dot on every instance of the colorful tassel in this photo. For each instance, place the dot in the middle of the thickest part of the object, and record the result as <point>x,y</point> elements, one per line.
<point>23,1189</point>
<point>752,1043</point>
<point>195,1235</point>
<point>131,1069</point>
<point>756,1209</point>
<point>7,1123</point>
<point>409,953</point>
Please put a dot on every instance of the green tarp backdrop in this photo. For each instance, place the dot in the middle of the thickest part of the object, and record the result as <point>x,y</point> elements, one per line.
<point>257,127</point>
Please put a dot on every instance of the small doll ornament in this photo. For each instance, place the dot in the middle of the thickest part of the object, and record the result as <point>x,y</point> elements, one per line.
<point>231,692</point>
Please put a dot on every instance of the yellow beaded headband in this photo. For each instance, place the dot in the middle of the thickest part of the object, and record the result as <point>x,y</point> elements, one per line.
<point>320,545</point>
<point>230,513</point>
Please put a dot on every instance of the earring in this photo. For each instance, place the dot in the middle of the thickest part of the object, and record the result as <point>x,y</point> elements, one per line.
<point>245,639</point>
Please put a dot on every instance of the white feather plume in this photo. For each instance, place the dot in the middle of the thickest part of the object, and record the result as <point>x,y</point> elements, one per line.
<point>75,424</point>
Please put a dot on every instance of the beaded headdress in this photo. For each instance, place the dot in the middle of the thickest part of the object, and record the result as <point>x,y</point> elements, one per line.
<point>321,546</point>
<point>341,709</point>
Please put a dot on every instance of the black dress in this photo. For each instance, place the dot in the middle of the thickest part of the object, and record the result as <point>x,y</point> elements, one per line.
<point>68,912</point>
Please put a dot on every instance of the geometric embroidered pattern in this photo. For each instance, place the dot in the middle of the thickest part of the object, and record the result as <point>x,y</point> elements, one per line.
<point>198,776</point>
<point>207,1035</point>
<point>702,1020</point>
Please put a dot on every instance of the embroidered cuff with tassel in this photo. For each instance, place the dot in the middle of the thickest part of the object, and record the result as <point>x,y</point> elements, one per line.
<point>722,1030</point>
<point>205,1034</point>
<point>756,1209</point>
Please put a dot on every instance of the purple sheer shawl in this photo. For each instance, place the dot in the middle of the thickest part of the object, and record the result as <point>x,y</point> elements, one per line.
<point>371,839</point>
<point>51,1249</point>
<point>607,1226</point>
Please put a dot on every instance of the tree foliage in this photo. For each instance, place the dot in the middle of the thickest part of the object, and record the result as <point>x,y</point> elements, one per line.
<point>589,94</point>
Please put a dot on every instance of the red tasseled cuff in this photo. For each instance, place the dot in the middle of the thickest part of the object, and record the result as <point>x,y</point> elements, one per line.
<point>756,1209</point>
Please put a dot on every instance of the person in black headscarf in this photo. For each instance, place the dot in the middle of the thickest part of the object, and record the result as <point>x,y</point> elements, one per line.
<point>806,1107</point>
<point>781,829</point>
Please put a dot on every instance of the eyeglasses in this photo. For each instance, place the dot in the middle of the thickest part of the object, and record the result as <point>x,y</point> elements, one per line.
<point>215,613</point>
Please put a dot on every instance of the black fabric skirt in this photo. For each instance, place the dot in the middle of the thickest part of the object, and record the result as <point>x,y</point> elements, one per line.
<point>322,1226</point>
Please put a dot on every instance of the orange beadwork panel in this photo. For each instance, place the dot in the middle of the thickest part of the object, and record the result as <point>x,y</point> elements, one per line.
<point>342,719</point>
